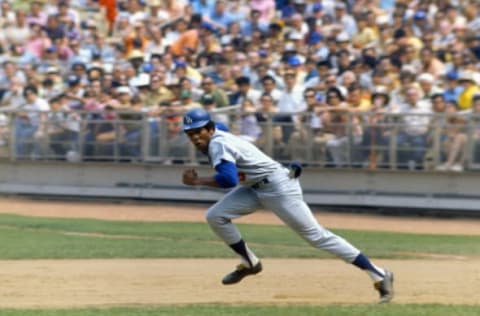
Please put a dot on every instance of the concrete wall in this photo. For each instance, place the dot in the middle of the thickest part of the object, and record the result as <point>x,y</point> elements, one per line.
<point>429,190</point>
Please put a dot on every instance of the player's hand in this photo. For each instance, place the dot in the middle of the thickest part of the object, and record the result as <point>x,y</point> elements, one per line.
<point>190,176</point>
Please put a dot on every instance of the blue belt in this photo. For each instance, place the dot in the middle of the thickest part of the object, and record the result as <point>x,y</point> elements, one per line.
<point>260,183</point>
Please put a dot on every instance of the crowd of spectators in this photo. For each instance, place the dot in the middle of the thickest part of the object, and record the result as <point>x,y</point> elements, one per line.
<point>367,73</point>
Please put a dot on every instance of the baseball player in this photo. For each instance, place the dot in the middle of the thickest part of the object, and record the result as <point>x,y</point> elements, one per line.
<point>260,182</point>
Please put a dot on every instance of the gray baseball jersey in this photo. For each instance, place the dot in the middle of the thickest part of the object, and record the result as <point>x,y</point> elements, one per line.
<point>251,162</point>
<point>267,185</point>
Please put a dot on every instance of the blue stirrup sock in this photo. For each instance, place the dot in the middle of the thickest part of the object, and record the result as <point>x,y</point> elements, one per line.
<point>248,257</point>
<point>376,273</point>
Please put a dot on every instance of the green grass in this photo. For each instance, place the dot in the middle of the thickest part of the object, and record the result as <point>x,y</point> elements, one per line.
<point>51,238</point>
<point>286,310</point>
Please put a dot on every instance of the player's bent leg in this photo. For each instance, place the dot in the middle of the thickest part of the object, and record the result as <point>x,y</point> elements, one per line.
<point>238,202</point>
<point>241,201</point>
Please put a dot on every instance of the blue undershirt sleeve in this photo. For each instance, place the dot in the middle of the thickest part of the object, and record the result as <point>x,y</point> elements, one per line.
<point>227,174</point>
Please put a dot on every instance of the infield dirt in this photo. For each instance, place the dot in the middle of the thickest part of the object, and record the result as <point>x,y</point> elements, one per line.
<point>78,283</point>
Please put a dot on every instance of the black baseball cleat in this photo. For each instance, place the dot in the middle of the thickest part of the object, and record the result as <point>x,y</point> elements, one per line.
<point>385,287</point>
<point>240,272</point>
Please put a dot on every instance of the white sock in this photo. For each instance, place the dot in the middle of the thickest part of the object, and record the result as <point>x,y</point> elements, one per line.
<point>251,256</point>
<point>374,276</point>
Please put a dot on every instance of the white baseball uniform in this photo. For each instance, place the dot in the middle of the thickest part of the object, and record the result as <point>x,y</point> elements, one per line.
<point>266,185</point>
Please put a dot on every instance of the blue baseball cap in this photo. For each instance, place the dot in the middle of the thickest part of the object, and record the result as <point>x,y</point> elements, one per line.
<point>288,11</point>
<point>317,7</point>
<point>51,49</point>
<point>294,61</point>
<point>195,118</point>
<point>207,26</point>
<point>147,67</point>
<point>452,75</point>
<point>314,38</point>
<point>180,64</point>
<point>73,80</point>
<point>420,15</point>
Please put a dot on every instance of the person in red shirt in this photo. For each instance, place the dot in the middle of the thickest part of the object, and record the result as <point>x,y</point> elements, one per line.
<point>110,13</point>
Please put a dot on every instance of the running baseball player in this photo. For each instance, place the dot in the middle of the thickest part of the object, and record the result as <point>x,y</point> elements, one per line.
<point>259,181</point>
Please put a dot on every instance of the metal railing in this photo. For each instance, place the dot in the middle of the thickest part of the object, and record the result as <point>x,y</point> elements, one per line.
<point>348,140</point>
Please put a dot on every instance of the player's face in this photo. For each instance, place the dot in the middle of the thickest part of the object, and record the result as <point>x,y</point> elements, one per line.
<point>200,137</point>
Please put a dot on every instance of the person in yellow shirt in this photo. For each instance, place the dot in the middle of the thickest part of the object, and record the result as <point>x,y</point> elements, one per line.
<point>365,34</point>
<point>355,100</point>
<point>158,91</point>
<point>465,99</point>
<point>184,70</point>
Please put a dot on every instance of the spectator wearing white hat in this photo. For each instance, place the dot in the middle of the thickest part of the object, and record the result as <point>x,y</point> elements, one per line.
<point>123,90</point>
<point>427,84</point>
<point>141,84</point>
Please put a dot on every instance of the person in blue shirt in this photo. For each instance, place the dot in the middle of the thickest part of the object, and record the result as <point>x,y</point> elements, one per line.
<point>453,89</point>
<point>220,16</point>
<point>254,23</point>
<point>203,7</point>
